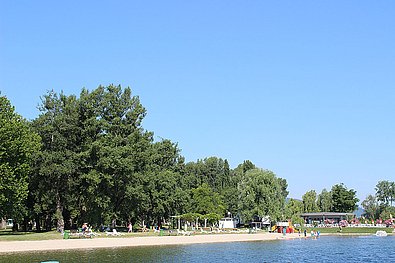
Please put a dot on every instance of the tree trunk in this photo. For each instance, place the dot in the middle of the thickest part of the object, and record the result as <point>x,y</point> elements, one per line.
<point>25,222</point>
<point>48,223</point>
<point>15,226</point>
<point>38,223</point>
<point>59,215</point>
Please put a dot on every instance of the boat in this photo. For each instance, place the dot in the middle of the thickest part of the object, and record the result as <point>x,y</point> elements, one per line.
<point>381,233</point>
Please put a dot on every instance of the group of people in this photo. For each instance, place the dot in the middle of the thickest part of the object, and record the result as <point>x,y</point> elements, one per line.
<point>86,229</point>
<point>313,233</point>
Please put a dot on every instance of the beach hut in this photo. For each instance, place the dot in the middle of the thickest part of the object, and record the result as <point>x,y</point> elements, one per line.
<point>227,222</point>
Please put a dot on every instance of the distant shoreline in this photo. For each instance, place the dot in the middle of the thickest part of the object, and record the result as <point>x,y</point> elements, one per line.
<point>72,244</point>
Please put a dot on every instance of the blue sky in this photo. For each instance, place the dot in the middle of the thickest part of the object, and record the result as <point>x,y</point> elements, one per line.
<point>302,88</point>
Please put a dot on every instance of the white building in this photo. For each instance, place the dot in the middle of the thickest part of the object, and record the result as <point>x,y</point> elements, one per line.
<point>227,222</point>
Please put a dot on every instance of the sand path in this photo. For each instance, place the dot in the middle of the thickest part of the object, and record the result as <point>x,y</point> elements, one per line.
<point>45,245</point>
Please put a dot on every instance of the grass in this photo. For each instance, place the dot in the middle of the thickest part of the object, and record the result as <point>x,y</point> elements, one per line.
<point>8,235</point>
<point>350,230</point>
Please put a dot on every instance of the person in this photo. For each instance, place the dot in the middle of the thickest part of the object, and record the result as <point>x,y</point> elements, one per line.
<point>84,227</point>
<point>130,228</point>
<point>305,233</point>
<point>284,231</point>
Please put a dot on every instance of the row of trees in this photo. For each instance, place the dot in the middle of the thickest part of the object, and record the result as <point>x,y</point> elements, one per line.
<point>379,206</point>
<point>338,199</point>
<point>341,199</point>
<point>88,159</point>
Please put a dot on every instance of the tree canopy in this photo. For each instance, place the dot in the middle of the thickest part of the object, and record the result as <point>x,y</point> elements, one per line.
<point>344,200</point>
<point>98,164</point>
<point>261,194</point>
<point>87,158</point>
<point>18,143</point>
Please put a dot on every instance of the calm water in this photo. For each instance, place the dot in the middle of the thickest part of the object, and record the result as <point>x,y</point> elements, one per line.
<point>324,249</point>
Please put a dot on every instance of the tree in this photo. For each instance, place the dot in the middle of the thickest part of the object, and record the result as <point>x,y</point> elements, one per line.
<point>115,155</point>
<point>293,209</point>
<point>324,201</point>
<point>95,156</point>
<point>387,213</point>
<point>344,200</point>
<point>261,194</point>
<point>371,207</point>
<point>206,201</point>
<point>18,143</point>
<point>167,198</point>
<point>56,166</point>
<point>309,202</point>
<point>385,192</point>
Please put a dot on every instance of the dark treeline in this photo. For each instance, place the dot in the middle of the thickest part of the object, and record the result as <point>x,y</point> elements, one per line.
<point>88,159</point>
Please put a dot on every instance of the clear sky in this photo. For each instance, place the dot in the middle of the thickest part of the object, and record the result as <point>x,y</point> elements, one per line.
<point>302,88</point>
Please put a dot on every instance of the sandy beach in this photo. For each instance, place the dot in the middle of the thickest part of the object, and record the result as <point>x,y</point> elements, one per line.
<point>59,244</point>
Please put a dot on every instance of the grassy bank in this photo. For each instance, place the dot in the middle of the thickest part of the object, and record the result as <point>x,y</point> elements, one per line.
<point>8,235</point>
<point>350,230</point>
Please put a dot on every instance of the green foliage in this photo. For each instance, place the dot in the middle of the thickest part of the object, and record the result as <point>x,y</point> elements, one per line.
<point>324,201</point>
<point>205,201</point>
<point>261,194</point>
<point>293,209</point>
<point>17,146</point>
<point>385,192</point>
<point>97,164</point>
<point>191,217</point>
<point>212,218</point>
<point>309,202</point>
<point>371,207</point>
<point>388,213</point>
<point>344,200</point>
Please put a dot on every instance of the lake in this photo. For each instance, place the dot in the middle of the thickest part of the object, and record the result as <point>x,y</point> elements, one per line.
<point>323,249</point>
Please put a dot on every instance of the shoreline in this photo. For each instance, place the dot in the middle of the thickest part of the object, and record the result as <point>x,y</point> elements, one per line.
<point>75,244</point>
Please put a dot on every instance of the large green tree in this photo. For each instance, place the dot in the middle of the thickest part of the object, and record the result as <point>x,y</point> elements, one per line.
<point>344,200</point>
<point>371,207</point>
<point>293,209</point>
<point>206,201</point>
<point>261,194</point>
<point>54,182</point>
<point>94,157</point>
<point>18,143</point>
<point>310,202</point>
<point>324,201</point>
<point>115,154</point>
<point>385,192</point>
